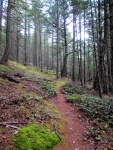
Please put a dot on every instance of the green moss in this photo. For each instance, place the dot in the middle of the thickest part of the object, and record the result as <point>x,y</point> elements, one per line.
<point>59,83</point>
<point>4,81</point>
<point>20,86</point>
<point>34,137</point>
<point>55,111</point>
<point>15,65</point>
<point>28,70</point>
<point>4,68</point>
<point>29,95</point>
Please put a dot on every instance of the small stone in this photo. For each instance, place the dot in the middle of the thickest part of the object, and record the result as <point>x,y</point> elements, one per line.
<point>70,128</point>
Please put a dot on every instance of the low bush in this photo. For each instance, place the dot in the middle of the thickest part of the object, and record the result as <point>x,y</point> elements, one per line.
<point>71,88</point>
<point>49,88</point>
<point>101,109</point>
<point>73,98</point>
<point>34,137</point>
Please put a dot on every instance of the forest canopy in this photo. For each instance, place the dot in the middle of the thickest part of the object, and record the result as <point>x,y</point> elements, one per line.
<point>73,37</point>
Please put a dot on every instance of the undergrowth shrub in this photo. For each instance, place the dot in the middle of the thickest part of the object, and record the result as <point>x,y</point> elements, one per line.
<point>73,98</point>
<point>71,88</point>
<point>101,109</point>
<point>49,88</point>
<point>34,137</point>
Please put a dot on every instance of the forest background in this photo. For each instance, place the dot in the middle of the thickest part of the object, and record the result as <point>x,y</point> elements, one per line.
<point>72,37</point>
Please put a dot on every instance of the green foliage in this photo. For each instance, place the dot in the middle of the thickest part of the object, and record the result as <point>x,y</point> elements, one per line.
<point>73,98</point>
<point>70,88</point>
<point>34,137</point>
<point>31,95</point>
<point>101,109</point>
<point>4,68</point>
<point>49,88</point>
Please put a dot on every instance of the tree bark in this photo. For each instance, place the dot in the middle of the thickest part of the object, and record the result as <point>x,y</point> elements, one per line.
<point>57,67</point>
<point>84,48</point>
<point>111,35</point>
<point>1,12</point>
<point>97,77</point>
<point>80,50</point>
<point>73,57</point>
<point>25,41</point>
<point>5,56</point>
<point>64,69</point>
<point>35,41</point>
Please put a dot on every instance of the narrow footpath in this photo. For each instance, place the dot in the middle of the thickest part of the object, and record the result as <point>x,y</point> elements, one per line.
<point>76,127</point>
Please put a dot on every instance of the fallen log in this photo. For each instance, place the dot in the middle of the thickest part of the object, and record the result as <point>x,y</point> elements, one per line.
<point>5,123</point>
<point>9,78</point>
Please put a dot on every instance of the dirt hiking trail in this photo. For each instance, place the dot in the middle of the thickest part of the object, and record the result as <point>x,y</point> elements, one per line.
<point>75,125</point>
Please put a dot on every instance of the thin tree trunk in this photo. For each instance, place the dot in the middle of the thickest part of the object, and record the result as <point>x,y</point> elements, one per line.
<point>84,49</point>
<point>1,12</point>
<point>80,51</point>
<point>17,56</point>
<point>52,49</point>
<point>29,42</point>
<point>35,42</point>
<point>57,67</point>
<point>25,40</point>
<point>73,57</point>
<point>40,46</point>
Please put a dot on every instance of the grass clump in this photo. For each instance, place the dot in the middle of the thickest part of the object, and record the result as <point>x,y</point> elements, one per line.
<point>70,88</point>
<point>34,137</point>
<point>49,88</point>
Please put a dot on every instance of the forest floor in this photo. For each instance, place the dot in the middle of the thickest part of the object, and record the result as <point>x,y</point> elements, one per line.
<point>23,101</point>
<point>76,126</point>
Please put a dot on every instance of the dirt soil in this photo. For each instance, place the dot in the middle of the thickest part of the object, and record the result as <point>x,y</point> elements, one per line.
<point>14,110</point>
<point>76,127</point>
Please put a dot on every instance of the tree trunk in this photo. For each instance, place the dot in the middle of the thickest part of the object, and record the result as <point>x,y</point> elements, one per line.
<point>57,67</point>
<point>40,45</point>
<point>97,78</point>
<point>111,35</point>
<point>73,57</point>
<point>84,48</point>
<point>5,56</point>
<point>1,12</point>
<point>80,50</point>
<point>52,50</point>
<point>25,40</point>
<point>35,41</point>
<point>64,69</point>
